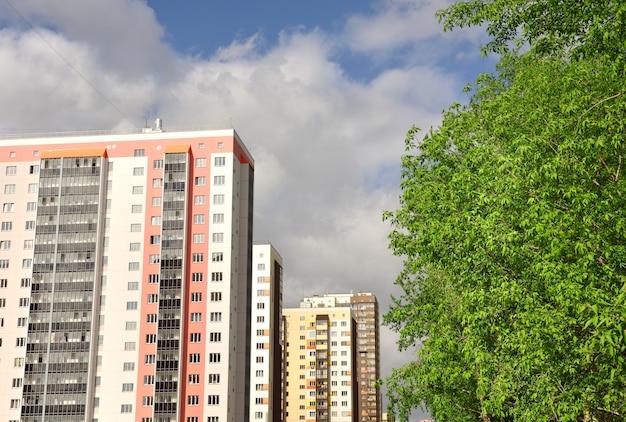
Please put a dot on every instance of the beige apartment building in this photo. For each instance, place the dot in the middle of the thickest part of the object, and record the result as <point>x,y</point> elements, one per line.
<point>319,365</point>
<point>365,312</point>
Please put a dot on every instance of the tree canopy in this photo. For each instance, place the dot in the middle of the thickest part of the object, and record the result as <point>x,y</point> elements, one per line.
<point>512,224</point>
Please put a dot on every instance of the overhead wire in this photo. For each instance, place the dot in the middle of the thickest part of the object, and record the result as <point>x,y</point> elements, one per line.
<point>69,64</point>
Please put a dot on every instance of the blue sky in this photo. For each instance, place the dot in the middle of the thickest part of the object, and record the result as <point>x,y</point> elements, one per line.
<point>322,93</point>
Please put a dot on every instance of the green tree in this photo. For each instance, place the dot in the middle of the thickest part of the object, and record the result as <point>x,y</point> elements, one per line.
<point>513,229</point>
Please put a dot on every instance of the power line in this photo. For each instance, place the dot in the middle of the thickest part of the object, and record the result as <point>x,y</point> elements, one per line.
<point>67,62</point>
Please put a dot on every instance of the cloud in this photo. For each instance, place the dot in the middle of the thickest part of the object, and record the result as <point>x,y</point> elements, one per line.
<point>327,145</point>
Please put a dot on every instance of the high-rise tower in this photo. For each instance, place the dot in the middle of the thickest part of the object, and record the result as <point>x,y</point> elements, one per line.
<point>125,269</point>
<point>266,352</point>
<point>365,311</point>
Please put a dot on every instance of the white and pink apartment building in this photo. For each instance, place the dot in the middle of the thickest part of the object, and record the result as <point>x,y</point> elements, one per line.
<point>125,277</point>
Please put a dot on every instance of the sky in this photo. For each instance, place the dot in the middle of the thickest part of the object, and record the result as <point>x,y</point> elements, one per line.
<point>322,93</point>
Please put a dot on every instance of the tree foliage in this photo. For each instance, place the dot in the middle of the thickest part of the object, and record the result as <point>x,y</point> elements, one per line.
<point>513,229</point>
<point>585,28</point>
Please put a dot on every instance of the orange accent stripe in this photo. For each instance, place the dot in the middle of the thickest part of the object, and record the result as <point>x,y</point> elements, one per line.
<point>169,149</point>
<point>72,153</point>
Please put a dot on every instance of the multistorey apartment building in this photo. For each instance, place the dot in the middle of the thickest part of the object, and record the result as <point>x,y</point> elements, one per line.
<point>365,311</point>
<point>319,368</point>
<point>266,324</point>
<point>125,269</point>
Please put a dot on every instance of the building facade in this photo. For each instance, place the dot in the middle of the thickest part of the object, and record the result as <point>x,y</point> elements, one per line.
<point>319,367</point>
<point>125,269</point>
<point>266,351</point>
<point>365,311</point>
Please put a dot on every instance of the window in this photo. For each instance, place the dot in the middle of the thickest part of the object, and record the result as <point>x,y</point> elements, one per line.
<point>135,228</point>
<point>133,266</point>
<point>194,378</point>
<point>213,378</point>
<point>127,408</point>
<point>9,188</point>
<point>127,387</point>
<point>3,303</point>
<point>217,276</point>
<point>218,218</point>
<point>137,190</point>
<point>196,297</point>
<point>138,171</point>
<point>261,318</point>
<point>215,337</point>
<point>155,239</point>
<point>30,225</point>
<point>157,164</point>
<point>260,305</point>
<point>140,152</point>
<point>29,244</point>
<point>155,259</point>
<point>219,180</point>
<point>129,366</point>
<point>192,419</point>
<point>153,278</point>
<point>33,169</point>
<point>11,170</point>
<point>15,403</point>
<point>131,325</point>
<point>198,200</point>
<point>136,209</point>
<point>31,206</point>
<point>198,238</point>
<point>218,199</point>
<point>157,183</point>
<point>156,220</point>
<point>197,257</point>
<point>218,237</point>
<point>149,359</point>
<point>200,181</point>
<point>157,201</point>
<point>215,316</point>
<point>215,357</point>
<point>147,400</point>
<point>133,285</point>
<point>5,245</point>
<point>196,277</point>
<point>130,346</point>
<point>213,399</point>
<point>6,226</point>
<point>260,346</point>
<point>200,162</point>
<point>20,342</point>
<point>21,322</point>
<point>198,219</point>
<point>8,207</point>
<point>18,362</point>
<point>16,383</point>
<point>194,358</point>
<point>130,306</point>
<point>196,317</point>
<point>32,188</point>
<point>216,296</point>
<point>27,263</point>
<point>193,400</point>
<point>151,338</point>
<point>148,380</point>
<point>219,161</point>
<point>135,246</point>
<point>217,257</point>
<point>261,267</point>
<point>151,318</point>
